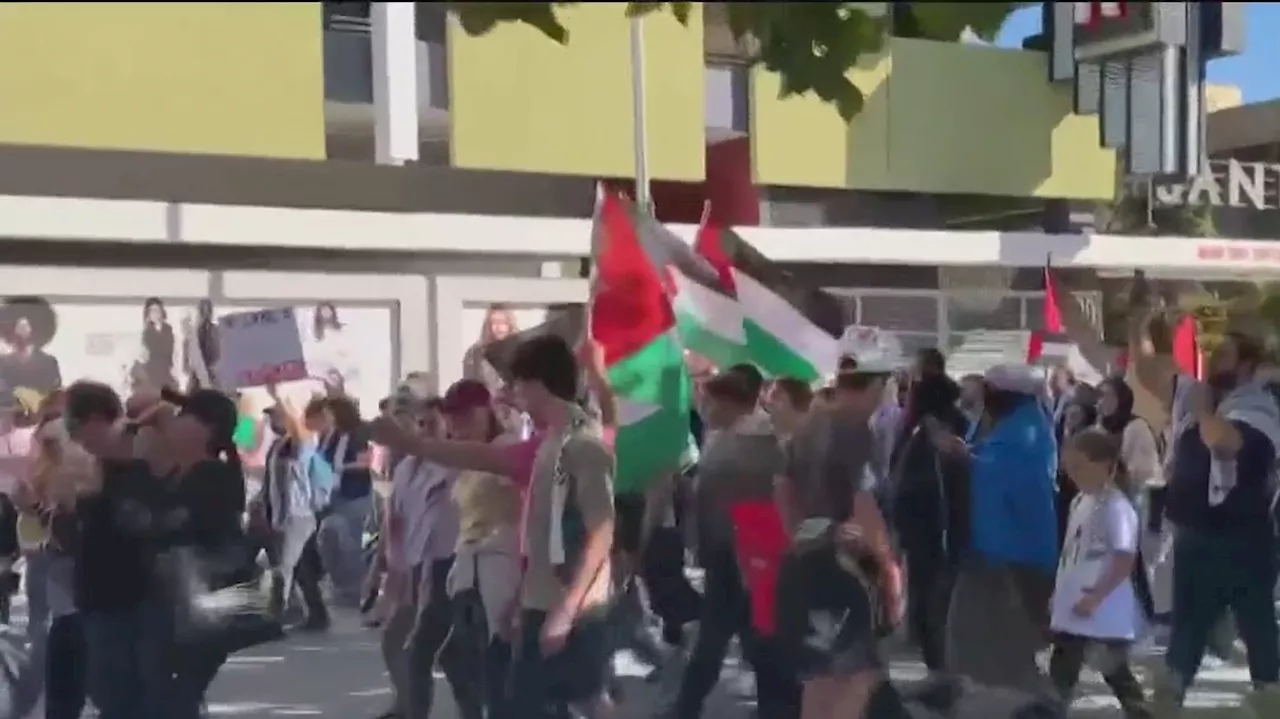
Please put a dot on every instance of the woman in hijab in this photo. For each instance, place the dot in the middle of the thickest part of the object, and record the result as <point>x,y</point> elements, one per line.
<point>1138,448</point>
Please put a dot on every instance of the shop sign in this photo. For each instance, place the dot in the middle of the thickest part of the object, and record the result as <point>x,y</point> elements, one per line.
<point>1252,253</point>
<point>1228,183</point>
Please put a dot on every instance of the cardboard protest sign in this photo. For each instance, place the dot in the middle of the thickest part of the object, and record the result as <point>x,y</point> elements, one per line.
<point>565,321</point>
<point>260,347</point>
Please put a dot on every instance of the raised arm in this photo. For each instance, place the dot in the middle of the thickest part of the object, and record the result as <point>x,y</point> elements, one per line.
<point>1080,331</point>
<point>591,357</point>
<point>480,456</point>
<point>1152,370</point>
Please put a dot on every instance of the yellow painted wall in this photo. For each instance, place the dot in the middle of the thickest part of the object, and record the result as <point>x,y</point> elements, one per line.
<point>521,102</point>
<point>208,77</point>
<point>940,118</point>
<point>802,141</point>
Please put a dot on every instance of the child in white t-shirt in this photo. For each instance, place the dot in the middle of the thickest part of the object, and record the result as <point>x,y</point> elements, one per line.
<point>1095,612</point>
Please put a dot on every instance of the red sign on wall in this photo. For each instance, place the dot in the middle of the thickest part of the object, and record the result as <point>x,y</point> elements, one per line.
<point>1094,14</point>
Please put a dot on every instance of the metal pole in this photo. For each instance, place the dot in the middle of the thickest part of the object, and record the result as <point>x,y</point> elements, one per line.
<point>641,137</point>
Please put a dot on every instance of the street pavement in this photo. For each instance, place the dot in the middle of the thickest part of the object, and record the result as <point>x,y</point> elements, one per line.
<point>339,675</point>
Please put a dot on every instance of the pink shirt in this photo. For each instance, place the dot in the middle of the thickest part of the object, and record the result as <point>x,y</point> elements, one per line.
<point>524,455</point>
<point>15,458</point>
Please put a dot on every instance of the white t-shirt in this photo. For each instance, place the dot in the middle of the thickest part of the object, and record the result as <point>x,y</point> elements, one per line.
<point>1099,527</point>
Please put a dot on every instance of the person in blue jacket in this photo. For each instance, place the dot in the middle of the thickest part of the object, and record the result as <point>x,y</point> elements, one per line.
<point>999,607</point>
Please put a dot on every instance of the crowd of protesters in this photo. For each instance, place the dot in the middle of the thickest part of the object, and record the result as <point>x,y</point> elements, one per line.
<point>992,518</point>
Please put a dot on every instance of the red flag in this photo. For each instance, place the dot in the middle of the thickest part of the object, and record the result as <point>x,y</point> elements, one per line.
<point>1052,310</point>
<point>1051,322</point>
<point>1186,347</point>
<point>629,305</point>
<point>761,543</point>
<point>708,245</point>
<point>1035,347</point>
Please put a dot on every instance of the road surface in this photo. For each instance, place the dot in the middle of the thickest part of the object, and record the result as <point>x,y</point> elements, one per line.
<point>339,675</point>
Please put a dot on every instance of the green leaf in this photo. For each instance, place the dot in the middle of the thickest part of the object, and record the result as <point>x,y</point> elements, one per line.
<point>478,18</point>
<point>680,10</point>
<point>946,21</point>
<point>812,46</point>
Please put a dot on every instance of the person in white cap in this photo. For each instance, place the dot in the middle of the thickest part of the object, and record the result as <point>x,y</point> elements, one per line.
<point>998,613</point>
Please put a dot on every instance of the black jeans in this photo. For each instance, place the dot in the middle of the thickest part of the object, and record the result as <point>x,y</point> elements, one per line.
<point>726,612</point>
<point>929,583</point>
<point>65,669</point>
<point>479,647</point>
<point>1068,658</point>
<point>1214,572</point>
<point>194,670</point>
<point>433,640</point>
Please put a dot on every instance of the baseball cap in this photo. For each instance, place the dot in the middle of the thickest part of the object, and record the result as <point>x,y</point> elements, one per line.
<point>209,407</point>
<point>466,395</point>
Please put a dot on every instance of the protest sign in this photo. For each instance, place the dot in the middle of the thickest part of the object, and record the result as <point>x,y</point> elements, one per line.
<point>260,347</point>
<point>567,321</point>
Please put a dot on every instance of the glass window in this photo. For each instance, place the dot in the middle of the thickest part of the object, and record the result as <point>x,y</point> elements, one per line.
<point>913,342</point>
<point>910,313</point>
<point>1006,316</point>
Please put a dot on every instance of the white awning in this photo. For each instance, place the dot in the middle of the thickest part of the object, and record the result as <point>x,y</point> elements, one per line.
<point>85,219</point>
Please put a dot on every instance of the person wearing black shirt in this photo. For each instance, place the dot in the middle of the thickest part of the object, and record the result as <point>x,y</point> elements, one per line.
<point>126,632</point>
<point>929,509</point>
<point>206,499</point>
<point>157,344</point>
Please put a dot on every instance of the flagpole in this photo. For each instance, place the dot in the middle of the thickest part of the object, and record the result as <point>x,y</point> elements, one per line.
<point>640,139</point>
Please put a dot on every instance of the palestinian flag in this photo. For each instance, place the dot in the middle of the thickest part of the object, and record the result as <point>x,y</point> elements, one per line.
<point>790,330</point>
<point>709,317</point>
<point>632,319</point>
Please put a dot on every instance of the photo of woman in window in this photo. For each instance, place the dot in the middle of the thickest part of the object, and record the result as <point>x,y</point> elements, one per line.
<point>328,357</point>
<point>27,325</point>
<point>325,322</point>
<point>158,345</point>
<point>499,323</point>
<point>200,346</point>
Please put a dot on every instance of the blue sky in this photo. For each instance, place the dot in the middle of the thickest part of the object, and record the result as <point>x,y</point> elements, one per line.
<point>1254,71</point>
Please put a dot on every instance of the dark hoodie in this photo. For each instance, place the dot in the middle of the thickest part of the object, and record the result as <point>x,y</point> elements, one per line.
<point>930,509</point>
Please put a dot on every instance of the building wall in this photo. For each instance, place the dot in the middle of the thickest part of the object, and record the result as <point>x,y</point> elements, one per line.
<point>522,102</point>
<point>90,318</point>
<point>209,78</point>
<point>938,118</point>
<point>248,80</point>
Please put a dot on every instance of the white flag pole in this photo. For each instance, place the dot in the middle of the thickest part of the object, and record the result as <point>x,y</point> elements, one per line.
<point>641,135</point>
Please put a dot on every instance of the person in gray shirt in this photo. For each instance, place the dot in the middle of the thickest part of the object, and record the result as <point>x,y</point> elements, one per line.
<point>839,588</point>
<point>739,466</point>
